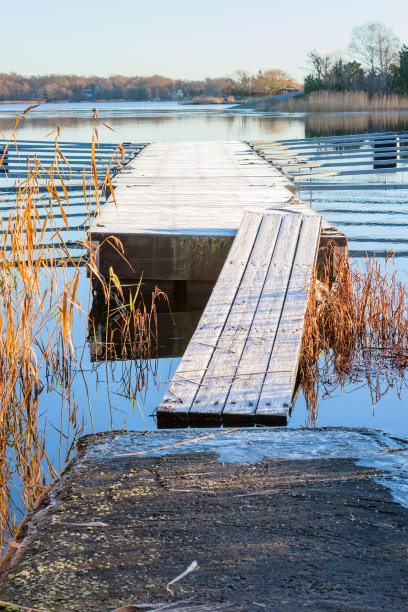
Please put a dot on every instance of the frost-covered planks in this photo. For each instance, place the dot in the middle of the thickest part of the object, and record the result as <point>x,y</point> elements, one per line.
<point>210,399</point>
<point>245,391</point>
<point>242,366</point>
<point>188,378</point>
<point>173,186</point>
<point>275,400</point>
<point>177,206</point>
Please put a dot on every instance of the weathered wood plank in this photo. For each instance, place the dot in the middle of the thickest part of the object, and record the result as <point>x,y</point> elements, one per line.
<point>188,377</point>
<point>246,387</point>
<point>209,402</point>
<point>251,360</point>
<point>276,398</point>
<point>331,139</point>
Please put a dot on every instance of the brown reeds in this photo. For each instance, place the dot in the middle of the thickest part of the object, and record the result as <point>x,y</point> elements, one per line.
<point>123,327</point>
<point>38,303</point>
<point>347,101</point>
<point>356,332</point>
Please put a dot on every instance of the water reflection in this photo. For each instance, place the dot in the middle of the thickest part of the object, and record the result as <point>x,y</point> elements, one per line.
<point>173,324</point>
<point>338,124</point>
<point>374,222</point>
<point>388,159</point>
<point>146,122</point>
<point>137,125</point>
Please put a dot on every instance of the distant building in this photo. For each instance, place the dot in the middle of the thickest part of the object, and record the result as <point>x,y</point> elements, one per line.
<point>90,92</point>
<point>176,94</point>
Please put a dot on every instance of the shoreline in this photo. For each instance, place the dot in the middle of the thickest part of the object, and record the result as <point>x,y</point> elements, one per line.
<point>113,102</point>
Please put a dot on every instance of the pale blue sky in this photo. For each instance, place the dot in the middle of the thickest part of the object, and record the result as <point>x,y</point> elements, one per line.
<point>180,38</point>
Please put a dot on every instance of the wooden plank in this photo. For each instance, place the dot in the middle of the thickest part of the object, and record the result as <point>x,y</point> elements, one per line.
<point>209,401</point>
<point>381,170</point>
<point>251,357</point>
<point>276,398</point>
<point>349,186</point>
<point>326,139</point>
<point>377,162</point>
<point>337,154</point>
<point>188,377</point>
<point>363,144</point>
<point>245,390</point>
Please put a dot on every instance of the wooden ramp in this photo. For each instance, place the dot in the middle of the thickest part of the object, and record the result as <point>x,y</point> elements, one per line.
<point>242,361</point>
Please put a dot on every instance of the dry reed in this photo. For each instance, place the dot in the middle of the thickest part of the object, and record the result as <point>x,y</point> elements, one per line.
<point>124,327</point>
<point>356,331</point>
<point>38,304</point>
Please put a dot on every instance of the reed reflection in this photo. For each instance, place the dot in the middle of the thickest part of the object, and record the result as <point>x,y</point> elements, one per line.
<point>339,124</point>
<point>142,321</point>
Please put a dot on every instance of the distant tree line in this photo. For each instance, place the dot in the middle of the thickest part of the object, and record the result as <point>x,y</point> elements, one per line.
<point>75,88</point>
<point>375,63</point>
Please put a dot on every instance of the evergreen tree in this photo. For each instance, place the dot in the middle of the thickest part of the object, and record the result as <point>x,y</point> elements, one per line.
<point>399,73</point>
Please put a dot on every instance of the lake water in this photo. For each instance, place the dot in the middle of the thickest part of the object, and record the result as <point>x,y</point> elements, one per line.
<point>153,121</point>
<point>374,221</point>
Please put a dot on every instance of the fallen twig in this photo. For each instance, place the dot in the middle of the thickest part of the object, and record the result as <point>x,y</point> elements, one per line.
<point>403,440</point>
<point>196,474</point>
<point>267,492</point>
<point>190,569</point>
<point>94,524</point>
<point>153,450</point>
<point>153,606</point>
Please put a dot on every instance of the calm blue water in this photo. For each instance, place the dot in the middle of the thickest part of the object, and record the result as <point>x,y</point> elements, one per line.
<point>374,221</point>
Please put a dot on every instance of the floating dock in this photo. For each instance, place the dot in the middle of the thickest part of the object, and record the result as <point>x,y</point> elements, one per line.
<point>176,209</point>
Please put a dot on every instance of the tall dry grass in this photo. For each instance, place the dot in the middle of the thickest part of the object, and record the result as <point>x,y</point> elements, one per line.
<point>38,305</point>
<point>356,332</point>
<point>348,101</point>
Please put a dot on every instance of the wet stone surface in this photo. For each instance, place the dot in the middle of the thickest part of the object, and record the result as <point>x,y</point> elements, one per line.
<point>276,534</point>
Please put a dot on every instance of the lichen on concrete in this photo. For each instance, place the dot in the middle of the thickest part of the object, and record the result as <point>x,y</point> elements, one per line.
<point>284,533</point>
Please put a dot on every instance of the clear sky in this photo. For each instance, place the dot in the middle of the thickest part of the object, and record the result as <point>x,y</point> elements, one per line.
<point>181,38</point>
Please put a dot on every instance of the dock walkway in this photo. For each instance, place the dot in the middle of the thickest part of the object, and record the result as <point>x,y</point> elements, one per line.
<point>178,205</point>
<point>176,208</point>
<point>241,364</point>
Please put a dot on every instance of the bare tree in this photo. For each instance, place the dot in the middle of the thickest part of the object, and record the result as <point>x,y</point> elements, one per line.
<point>322,64</point>
<point>377,46</point>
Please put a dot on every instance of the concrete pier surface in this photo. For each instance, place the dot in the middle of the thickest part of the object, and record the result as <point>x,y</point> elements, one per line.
<point>273,519</point>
